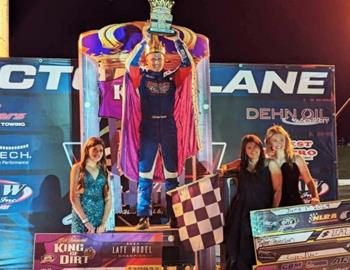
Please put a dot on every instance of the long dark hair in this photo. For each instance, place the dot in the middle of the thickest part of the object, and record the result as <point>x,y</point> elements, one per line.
<point>244,157</point>
<point>91,142</point>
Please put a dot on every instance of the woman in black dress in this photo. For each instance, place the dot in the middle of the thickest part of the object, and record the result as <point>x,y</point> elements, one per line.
<point>259,187</point>
<point>280,148</point>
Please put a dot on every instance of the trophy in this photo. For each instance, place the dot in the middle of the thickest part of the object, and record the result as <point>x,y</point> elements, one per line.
<point>161,17</point>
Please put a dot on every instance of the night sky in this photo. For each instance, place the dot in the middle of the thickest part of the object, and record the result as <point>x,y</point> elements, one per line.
<point>240,31</point>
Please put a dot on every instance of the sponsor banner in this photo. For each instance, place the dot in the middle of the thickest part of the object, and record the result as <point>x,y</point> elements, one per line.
<point>23,76</point>
<point>80,251</point>
<point>276,221</point>
<point>284,81</point>
<point>251,98</point>
<point>35,121</point>
<point>336,262</point>
<point>300,251</point>
<point>36,118</point>
<point>314,235</point>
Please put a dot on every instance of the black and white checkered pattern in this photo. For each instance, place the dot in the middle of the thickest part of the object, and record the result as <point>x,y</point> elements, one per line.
<point>199,212</point>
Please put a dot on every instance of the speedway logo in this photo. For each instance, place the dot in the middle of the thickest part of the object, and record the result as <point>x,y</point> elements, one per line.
<point>294,116</point>
<point>321,218</point>
<point>15,154</point>
<point>12,193</point>
<point>12,119</point>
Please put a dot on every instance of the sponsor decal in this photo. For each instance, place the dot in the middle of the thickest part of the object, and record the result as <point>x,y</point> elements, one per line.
<point>288,223</point>
<point>307,154</point>
<point>274,240</point>
<point>12,193</point>
<point>321,218</point>
<point>299,209</point>
<point>294,116</point>
<point>15,154</point>
<point>302,255</point>
<point>281,239</point>
<point>292,266</point>
<point>335,233</point>
<point>316,263</point>
<point>341,260</point>
<point>266,256</point>
<point>12,116</point>
<point>47,258</point>
<point>12,119</point>
<point>304,149</point>
<point>306,122</point>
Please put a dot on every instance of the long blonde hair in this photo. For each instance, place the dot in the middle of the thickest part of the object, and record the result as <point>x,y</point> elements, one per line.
<point>288,149</point>
<point>91,142</point>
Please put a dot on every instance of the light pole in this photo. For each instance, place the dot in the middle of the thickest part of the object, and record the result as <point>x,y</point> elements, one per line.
<point>342,108</point>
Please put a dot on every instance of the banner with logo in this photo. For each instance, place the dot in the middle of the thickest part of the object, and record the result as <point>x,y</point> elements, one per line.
<point>335,262</point>
<point>287,220</point>
<point>251,98</point>
<point>36,130</point>
<point>295,233</point>
<point>35,123</point>
<point>98,251</point>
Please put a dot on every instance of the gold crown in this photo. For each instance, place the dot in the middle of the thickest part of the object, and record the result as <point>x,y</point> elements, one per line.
<point>154,46</point>
<point>161,3</point>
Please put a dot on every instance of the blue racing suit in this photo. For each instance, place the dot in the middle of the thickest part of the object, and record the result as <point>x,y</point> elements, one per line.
<point>158,134</point>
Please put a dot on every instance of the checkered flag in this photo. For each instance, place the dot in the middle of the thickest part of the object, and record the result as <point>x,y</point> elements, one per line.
<point>199,212</point>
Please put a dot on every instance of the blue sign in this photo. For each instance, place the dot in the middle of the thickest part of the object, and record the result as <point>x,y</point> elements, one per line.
<point>35,122</point>
<point>251,98</point>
